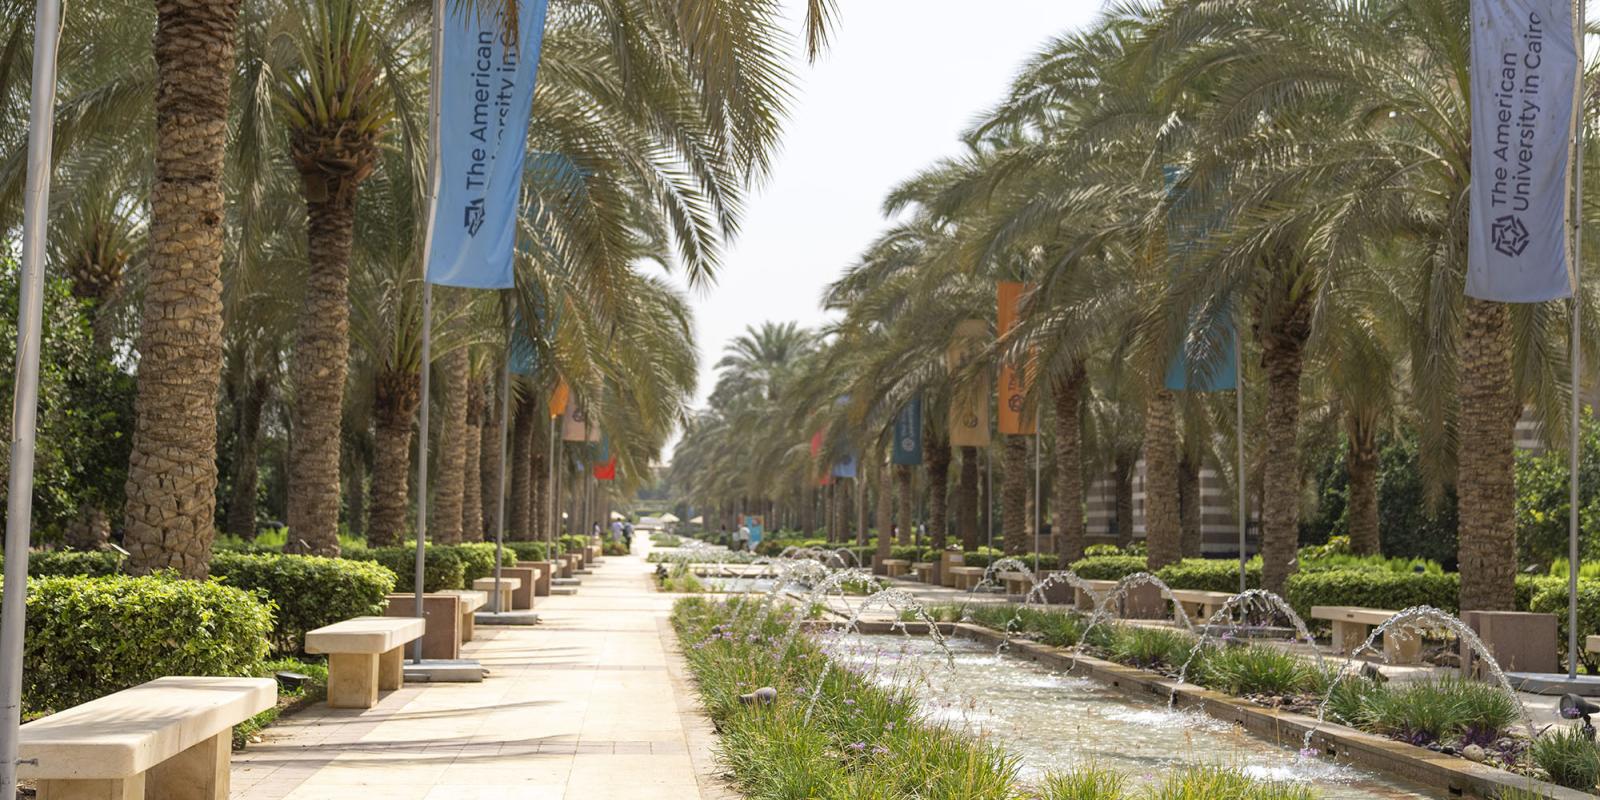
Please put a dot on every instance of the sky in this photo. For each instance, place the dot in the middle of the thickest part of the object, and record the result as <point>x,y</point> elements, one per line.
<point>900,82</point>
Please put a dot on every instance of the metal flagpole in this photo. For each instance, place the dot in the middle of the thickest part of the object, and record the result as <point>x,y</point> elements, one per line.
<point>1577,363</point>
<point>553,500</point>
<point>25,401</point>
<point>1238,434</point>
<point>434,78</point>
<point>1038,500</point>
<point>500,505</point>
<point>988,493</point>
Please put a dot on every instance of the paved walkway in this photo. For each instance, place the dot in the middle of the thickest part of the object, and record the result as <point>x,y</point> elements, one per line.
<point>591,704</point>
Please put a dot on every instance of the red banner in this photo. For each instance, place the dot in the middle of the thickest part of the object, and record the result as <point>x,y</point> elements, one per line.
<point>606,471</point>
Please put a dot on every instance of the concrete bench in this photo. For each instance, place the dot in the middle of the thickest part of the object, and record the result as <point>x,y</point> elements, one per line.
<point>541,587</point>
<point>507,586</point>
<point>471,601</point>
<point>947,560</point>
<point>522,596</point>
<point>1201,605</point>
<point>1352,623</point>
<point>1101,590</point>
<point>967,578</point>
<point>896,567</point>
<point>1521,641</point>
<point>926,571</point>
<point>364,656</point>
<point>442,614</point>
<point>565,563</point>
<point>169,738</point>
<point>1018,583</point>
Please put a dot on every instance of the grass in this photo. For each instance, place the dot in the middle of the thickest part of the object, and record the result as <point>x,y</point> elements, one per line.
<point>1255,670</point>
<point>1421,712</point>
<point>679,579</point>
<point>289,700</point>
<point>665,540</point>
<point>1148,648</point>
<point>1568,757</point>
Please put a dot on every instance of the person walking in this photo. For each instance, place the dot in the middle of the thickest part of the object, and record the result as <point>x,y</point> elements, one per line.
<point>741,540</point>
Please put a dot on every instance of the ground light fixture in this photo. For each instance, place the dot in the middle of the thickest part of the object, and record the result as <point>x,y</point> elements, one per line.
<point>1575,707</point>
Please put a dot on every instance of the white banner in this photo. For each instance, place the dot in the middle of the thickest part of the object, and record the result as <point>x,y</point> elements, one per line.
<point>1524,89</point>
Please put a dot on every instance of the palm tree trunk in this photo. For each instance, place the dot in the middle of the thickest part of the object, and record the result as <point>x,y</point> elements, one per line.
<point>1161,524</point>
<point>1122,476</point>
<point>1361,462</point>
<point>938,491</point>
<point>1014,494</point>
<point>489,467</point>
<point>1486,460</point>
<point>394,406</point>
<point>885,497</point>
<point>1067,521</point>
<point>172,468</point>
<point>472,466</point>
<point>521,514</point>
<point>1190,507</point>
<point>537,467</point>
<point>967,499</point>
<point>807,511</point>
<point>1282,352</point>
<point>904,513</point>
<point>451,480</point>
<point>242,505</point>
<point>318,374</point>
<point>861,511</point>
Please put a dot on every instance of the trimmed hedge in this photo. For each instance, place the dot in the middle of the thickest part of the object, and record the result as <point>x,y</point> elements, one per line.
<point>1372,589</point>
<point>1047,561</point>
<point>477,560</point>
<point>61,563</point>
<point>442,567</point>
<point>1550,597</point>
<point>528,551</point>
<point>1108,568</point>
<point>309,591</point>
<point>1210,574</point>
<point>89,637</point>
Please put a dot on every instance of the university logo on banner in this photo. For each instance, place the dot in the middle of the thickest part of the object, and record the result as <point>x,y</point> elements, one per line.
<point>908,433</point>
<point>1015,417</point>
<point>576,425</point>
<point>969,400</point>
<point>1524,89</point>
<point>486,85</point>
<point>1204,360</point>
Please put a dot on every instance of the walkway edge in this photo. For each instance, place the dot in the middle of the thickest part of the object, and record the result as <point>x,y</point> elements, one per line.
<point>698,733</point>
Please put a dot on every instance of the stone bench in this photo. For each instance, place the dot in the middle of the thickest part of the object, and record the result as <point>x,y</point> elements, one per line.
<point>522,596</point>
<point>1018,583</point>
<point>926,571</point>
<point>471,601</point>
<point>169,738</point>
<point>442,614</point>
<point>1101,589</point>
<point>1351,625</point>
<point>507,586</point>
<point>896,567</point>
<point>564,563</point>
<point>541,587</point>
<point>1521,641</point>
<point>365,656</point>
<point>1201,605</point>
<point>967,578</point>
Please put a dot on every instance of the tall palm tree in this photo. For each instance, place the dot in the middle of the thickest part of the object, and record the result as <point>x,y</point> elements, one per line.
<point>172,471</point>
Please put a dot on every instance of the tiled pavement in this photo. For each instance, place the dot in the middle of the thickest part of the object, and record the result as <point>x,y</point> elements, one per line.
<point>591,704</point>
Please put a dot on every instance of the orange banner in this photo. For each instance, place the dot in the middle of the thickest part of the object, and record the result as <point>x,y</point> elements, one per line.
<point>558,398</point>
<point>969,400</point>
<point>1015,418</point>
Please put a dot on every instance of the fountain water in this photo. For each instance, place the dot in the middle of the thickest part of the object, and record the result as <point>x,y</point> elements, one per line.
<point>899,601</point>
<point>834,580</point>
<point>1247,602</point>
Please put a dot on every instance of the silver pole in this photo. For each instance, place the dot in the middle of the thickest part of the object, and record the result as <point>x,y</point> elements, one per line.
<point>25,401</point>
<point>988,493</point>
<point>1577,365</point>
<point>435,67</point>
<point>500,496</point>
<point>553,501</point>
<point>1238,435</point>
<point>1038,499</point>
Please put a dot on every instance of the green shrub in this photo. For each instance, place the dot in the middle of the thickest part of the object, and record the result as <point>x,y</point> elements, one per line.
<point>89,637</point>
<point>1108,568</point>
<point>477,560</point>
<point>1221,783</point>
<point>308,591</point>
<point>1146,648</point>
<point>67,563</point>
<point>1088,782</point>
<point>1210,574</point>
<point>983,559</point>
<point>1095,550</point>
<point>1426,711</point>
<point>1551,598</point>
<point>442,567</point>
<point>1373,589</point>
<point>1256,669</point>
<point>528,551</point>
<point>1568,757</point>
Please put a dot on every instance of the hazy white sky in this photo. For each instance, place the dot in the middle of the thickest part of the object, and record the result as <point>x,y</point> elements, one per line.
<point>902,79</point>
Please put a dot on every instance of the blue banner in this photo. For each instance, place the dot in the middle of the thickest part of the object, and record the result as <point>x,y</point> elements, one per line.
<point>845,468</point>
<point>1204,361</point>
<point>908,433</point>
<point>485,101</point>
